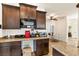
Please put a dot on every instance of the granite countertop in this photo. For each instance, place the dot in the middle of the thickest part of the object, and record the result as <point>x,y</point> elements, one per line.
<point>3,40</point>
<point>65,49</point>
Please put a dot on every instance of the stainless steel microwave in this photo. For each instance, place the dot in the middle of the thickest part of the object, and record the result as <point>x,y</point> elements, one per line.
<point>24,23</point>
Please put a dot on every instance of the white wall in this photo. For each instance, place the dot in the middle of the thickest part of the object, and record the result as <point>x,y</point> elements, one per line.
<point>0,20</point>
<point>78,26</point>
<point>49,23</point>
<point>61,29</point>
<point>73,22</point>
<point>78,22</point>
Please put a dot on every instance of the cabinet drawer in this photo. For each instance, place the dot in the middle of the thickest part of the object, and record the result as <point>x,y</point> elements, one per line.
<point>15,43</point>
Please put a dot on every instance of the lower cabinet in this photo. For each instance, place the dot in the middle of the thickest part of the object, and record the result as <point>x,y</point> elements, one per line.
<point>10,49</point>
<point>4,51</point>
<point>16,48</point>
<point>56,53</point>
<point>42,47</point>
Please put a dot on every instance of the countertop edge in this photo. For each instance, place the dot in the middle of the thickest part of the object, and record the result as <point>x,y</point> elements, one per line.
<point>21,39</point>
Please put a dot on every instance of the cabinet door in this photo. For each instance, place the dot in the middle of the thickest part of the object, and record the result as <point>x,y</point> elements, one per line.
<point>32,13</point>
<point>39,48</point>
<point>24,12</point>
<point>41,20</point>
<point>15,49</point>
<point>42,47</point>
<point>11,18</point>
<point>10,49</point>
<point>4,49</point>
<point>27,11</point>
<point>45,46</point>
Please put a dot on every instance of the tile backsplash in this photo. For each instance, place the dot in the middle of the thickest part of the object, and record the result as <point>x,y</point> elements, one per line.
<point>18,31</point>
<point>14,32</point>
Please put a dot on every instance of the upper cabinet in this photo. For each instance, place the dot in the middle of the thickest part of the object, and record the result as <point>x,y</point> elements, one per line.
<point>27,11</point>
<point>41,19</point>
<point>10,17</point>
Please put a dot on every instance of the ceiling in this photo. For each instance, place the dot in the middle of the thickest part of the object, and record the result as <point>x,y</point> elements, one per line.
<point>59,8</point>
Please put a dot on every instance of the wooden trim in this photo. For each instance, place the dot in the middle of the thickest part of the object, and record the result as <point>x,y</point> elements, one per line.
<point>27,5</point>
<point>41,11</point>
<point>10,5</point>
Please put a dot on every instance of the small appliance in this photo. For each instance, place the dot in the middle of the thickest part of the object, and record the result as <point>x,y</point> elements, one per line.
<point>27,34</point>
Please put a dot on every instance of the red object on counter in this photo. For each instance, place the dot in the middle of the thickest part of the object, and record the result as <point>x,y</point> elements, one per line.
<point>27,34</point>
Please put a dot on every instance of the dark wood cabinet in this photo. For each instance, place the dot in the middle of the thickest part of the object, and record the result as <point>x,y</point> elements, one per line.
<point>10,49</point>
<point>45,46</point>
<point>4,49</point>
<point>32,13</point>
<point>41,19</point>
<point>10,17</point>
<point>27,11</point>
<point>15,48</point>
<point>56,53</point>
<point>42,47</point>
<point>39,48</point>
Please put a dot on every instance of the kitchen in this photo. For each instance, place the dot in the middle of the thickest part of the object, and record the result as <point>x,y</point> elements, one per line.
<point>25,30</point>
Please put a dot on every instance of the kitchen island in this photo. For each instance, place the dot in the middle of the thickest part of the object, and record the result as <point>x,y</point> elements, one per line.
<point>13,46</point>
<point>61,48</point>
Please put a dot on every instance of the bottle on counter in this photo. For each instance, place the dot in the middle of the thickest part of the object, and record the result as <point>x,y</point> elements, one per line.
<point>37,34</point>
<point>32,33</point>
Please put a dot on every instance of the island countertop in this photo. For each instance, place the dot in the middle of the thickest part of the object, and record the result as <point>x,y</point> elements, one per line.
<point>3,40</point>
<point>65,49</point>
